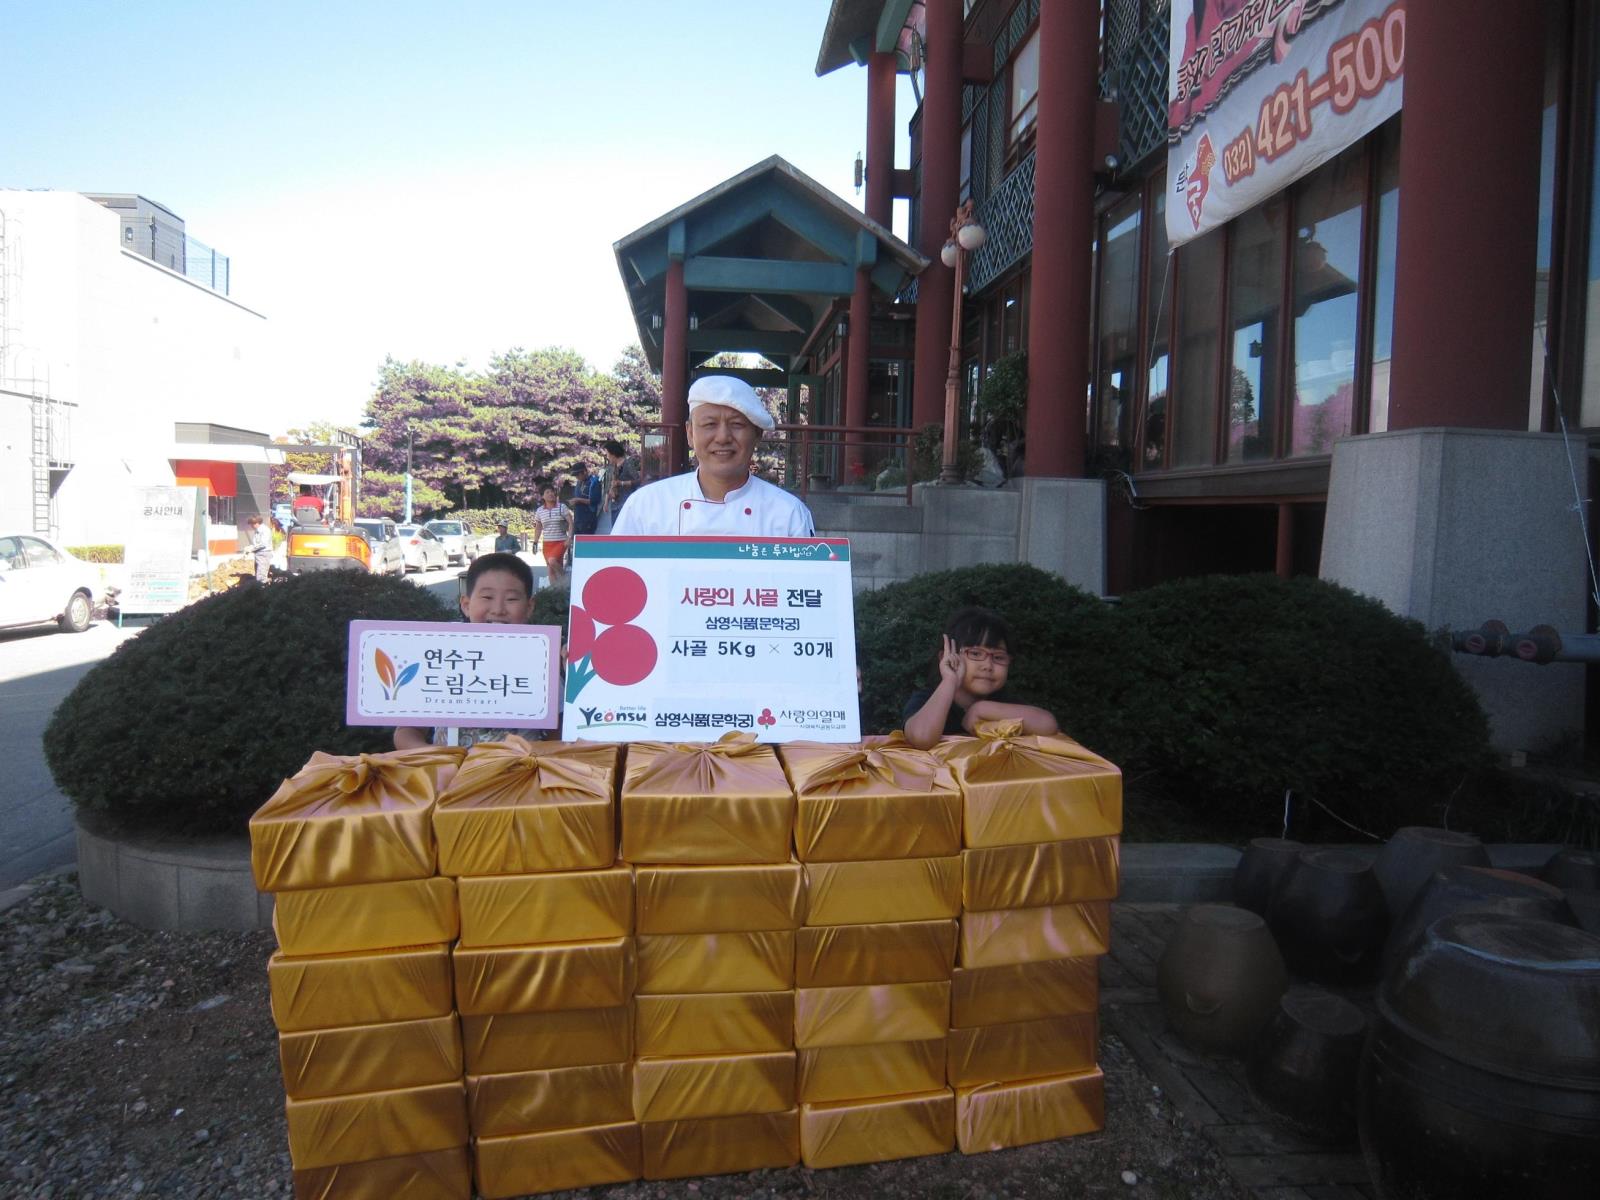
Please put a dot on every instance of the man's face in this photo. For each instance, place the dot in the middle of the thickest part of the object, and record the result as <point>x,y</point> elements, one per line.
<point>723,440</point>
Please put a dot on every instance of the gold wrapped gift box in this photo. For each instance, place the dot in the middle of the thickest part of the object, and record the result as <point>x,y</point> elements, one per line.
<point>369,1058</point>
<point>1052,987</point>
<point>533,1101</point>
<point>518,807</point>
<point>673,963</point>
<point>877,1130</point>
<point>714,1023</point>
<point>436,1175</point>
<point>882,890</point>
<point>719,1145</point>
<point>341,820</point>
<point>720,899</point>
<point>529,1163</point>
<point>719,802</point>
<point>997,1115</point>
<point>886,800</point>
<point>859,1016</point>
<point>1021,789</point>
<point>366,916</point>
<point>902,952</point>
<point>1017,935</point>
<point>348,1129</point>
<point>558,906</point>
<point>523,979</point>
<point>1038,875</point>
<point>713,1085</point>
<point>368,988</point>
<point>1022,1050</point>
<point>498,1043</point>
<point>827,1074</point>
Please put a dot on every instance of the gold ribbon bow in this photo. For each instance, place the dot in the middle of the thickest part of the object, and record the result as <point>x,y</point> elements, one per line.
<point>1001,743</point>
<point>893,762</point>
<point>493,767</point>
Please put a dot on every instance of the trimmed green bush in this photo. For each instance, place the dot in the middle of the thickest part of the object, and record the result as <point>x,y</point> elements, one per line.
<point>484,520</point>
<point>189,727</point>
<point>1246,686</point>
<point>1065,639</point>
<point>97,554</point>
<point>550,606</point>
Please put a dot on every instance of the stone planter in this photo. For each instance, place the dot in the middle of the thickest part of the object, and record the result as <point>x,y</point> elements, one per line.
<point>183,885</point>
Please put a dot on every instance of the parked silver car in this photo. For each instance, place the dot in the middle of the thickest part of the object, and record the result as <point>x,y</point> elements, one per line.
<point>40,581</point>
<point>388,553</point>
<point>423,551</point>
<point>456,539</point>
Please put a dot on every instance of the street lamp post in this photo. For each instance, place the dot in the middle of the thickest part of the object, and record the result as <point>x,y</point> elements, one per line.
<point>966,235</point>
<point>407,519</point>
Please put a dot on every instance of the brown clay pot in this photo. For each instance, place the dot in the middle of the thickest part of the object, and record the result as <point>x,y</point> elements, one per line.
<point>1220,978</point>
<point>1571,867</point>
<point>1263,863</point>
<point>1305,1072</point>
<point>1329,917</point>
<point>1411,857</point>
<point>1481,1079</point>
<point>1474,889</point>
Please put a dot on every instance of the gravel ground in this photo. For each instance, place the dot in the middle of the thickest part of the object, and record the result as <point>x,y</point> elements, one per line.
<point>145,1064</point>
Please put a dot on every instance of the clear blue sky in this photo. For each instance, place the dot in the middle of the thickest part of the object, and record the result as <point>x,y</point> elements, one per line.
<point>415,179</point>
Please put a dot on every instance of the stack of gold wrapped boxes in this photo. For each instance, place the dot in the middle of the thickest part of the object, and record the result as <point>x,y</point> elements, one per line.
<point>841,954</point>
<point>360,985</point>
<point>879,830</point>
<point>545,966</point>
<point>707,829</point>
<point>1040,827</point>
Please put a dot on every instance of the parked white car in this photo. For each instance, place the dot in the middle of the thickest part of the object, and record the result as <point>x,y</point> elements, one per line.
<point>388,554</point>
<point>456,538</point>
<point>40,581</point>
<point>423,551</point>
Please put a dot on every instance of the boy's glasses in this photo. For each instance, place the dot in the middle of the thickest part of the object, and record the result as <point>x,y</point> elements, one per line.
<point>979,654</point>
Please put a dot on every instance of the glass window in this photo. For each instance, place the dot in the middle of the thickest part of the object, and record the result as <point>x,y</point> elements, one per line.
<point>1327,274</point>
<point>1199,326</point>
<point>39,553</point>
<point>1388,222</point>
<point>1024,90</point>
<point>1541,272</point>
<point>1158,301</point>
<point>1255,302</point>
<point>220,510</point>
<point>966,162</point>
<point>1118,325</point>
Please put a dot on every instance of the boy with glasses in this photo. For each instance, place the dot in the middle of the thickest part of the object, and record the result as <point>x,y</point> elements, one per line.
<point>973,665</point>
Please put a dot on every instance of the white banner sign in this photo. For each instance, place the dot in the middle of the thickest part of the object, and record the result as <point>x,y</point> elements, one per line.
<point>685,639</point>
<point>448,673</point>
<point>156,555</point>
<point>1261,92</point>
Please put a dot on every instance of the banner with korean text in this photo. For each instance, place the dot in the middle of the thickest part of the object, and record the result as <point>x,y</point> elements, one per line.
<point>1262,92</point>
<point>686,639</point>
<point>160,539</point>
<point>446,673</point>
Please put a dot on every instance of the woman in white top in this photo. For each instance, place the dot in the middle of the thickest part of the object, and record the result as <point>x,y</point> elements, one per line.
<point>552,522</point>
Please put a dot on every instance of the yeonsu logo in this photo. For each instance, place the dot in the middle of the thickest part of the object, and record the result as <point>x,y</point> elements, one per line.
<point>610,717</point>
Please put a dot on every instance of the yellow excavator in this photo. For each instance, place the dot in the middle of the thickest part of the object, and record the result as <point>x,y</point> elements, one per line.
<point>324,536</point>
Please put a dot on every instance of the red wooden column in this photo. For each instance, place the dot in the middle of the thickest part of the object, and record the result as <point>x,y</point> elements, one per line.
<point>857,347</point>
<point>941,178</point>
<point>881,72</point>
<point>1284,559</point>
<point>675,366</point>
<point>1469,209</point>
<point>1063,232</point>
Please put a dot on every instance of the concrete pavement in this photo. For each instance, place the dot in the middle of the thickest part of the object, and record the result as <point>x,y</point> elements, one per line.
<point>38,667</point>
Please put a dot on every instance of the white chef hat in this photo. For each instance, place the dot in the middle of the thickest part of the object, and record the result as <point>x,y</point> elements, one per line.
<point>730,392</point>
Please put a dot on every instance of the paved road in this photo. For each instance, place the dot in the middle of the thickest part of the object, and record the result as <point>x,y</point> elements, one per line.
<point>38,667</point>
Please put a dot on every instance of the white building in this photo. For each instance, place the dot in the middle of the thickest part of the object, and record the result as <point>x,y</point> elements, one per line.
<point>103,353</point>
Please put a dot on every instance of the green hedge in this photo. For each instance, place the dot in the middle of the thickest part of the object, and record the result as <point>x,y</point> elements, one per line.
<point>189,727</point>
<point>484,520</point>
<point>97,554</point>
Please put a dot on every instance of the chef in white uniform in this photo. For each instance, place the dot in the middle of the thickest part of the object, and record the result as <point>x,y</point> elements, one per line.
<point>720,496</point>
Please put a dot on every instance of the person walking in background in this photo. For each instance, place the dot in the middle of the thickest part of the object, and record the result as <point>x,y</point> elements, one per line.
<point>506,542</point>
<point>586,500</point>
<point>618,480</point>
<point>260,548</point>
<point>553,522</point>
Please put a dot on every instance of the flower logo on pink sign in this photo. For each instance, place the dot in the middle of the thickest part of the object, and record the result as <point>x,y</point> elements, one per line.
<point>600,639</point>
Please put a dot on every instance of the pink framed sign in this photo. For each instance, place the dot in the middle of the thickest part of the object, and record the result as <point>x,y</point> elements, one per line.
<point>444,673</point>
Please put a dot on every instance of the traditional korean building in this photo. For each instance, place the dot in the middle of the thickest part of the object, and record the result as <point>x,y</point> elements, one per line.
<point>1385,371</point>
